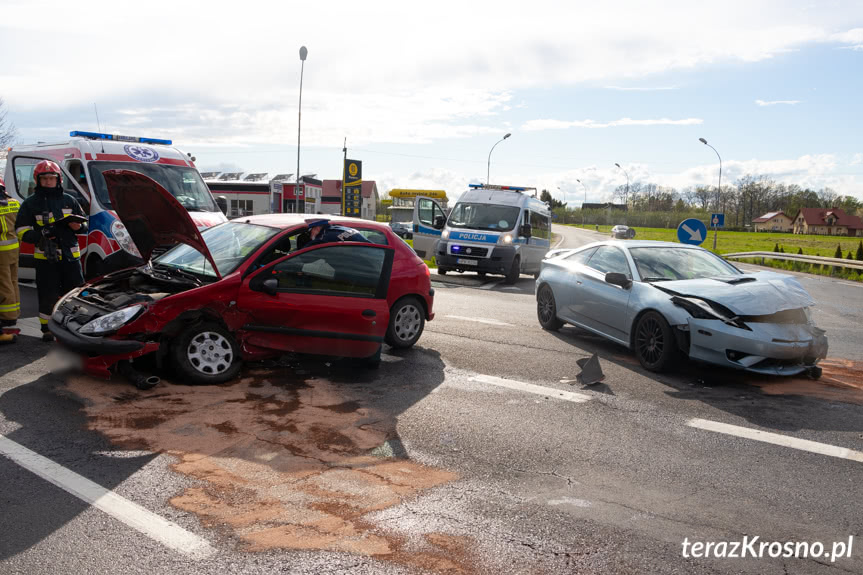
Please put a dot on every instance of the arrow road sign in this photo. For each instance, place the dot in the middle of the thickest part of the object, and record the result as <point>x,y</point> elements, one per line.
<point>691,231</point>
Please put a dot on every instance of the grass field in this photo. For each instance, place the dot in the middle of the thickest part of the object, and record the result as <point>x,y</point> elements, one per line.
<point>731,242</point>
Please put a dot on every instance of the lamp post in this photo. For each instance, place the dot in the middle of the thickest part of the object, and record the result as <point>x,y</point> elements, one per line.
<point>718,190</point>
<point>584,202</point>
<point>303,53</point>
<point>488,173</point>
<point>626,193</point>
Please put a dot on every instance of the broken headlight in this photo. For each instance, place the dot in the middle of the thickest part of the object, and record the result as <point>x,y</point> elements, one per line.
<point>701,309</point>
<point>110,322</point>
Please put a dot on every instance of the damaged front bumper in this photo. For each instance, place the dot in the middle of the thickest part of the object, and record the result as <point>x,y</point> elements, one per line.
<point>767,348</point>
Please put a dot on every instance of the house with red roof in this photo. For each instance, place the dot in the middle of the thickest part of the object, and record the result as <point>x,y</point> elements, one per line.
<point>773,222</point>
<point>827,221</point>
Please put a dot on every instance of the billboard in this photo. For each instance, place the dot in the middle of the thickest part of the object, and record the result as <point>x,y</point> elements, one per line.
<point>352,195</point>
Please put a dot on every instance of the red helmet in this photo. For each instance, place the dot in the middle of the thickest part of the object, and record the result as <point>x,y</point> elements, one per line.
<point>2,183</point>
<point>47,167</point>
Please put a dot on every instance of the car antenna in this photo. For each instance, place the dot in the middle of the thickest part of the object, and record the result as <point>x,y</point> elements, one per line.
<point>99,125</point>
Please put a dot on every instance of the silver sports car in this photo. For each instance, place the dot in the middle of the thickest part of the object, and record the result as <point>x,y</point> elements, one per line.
<point>661,299</point>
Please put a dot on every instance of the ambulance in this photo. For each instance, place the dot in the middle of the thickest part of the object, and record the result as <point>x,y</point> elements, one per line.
<point>491,230</point>
<point>84,157</point>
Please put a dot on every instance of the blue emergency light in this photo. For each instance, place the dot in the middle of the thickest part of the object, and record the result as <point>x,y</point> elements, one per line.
<point>118,138</point>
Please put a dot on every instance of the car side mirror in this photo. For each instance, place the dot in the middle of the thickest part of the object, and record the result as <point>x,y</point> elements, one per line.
<point>526,231</point>
<point>618,279</point>
<point>439,222</point>
<point>269,286</point>
<point>222,202</point>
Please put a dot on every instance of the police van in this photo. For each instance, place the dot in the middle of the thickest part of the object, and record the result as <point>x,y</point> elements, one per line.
<point>491,230</point>
<point>83,158</point>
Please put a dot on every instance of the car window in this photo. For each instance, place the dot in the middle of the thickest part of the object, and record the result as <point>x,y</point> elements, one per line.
<point>374,236</point>
<point>608,259</point>
<point>333,270</point>
<point>679,264</point>
<point>580,257</point>
<point>540,225</point>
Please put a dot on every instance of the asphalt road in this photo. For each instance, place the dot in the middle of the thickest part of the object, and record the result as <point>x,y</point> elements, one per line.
<point>471,453</point>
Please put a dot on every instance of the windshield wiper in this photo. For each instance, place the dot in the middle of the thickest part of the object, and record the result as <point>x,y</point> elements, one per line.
<point>657,279</point>
<point>180,272</point>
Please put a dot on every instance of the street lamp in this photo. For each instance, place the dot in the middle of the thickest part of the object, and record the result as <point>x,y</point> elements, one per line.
<point>303,53</point>
<point>718,190</point>
<point>488,173</point>
<point>584,202</point>
<point>626,193</point>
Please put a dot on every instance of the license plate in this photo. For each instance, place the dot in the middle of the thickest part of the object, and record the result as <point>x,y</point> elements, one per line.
<point>466,262</point>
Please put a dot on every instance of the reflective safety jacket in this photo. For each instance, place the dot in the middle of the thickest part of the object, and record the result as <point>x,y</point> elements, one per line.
<point>8,213</point>
<point>48,207</point>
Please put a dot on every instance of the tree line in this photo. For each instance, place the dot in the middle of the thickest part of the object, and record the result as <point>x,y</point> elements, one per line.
<point>748,198</point>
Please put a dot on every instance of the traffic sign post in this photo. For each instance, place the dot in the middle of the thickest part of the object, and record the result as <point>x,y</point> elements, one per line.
<point>692,232</point>
<point>716,221</point>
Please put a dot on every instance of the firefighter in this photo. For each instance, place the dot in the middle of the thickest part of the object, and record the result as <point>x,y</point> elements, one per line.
<point>49,219</point>
<point>10,300</point>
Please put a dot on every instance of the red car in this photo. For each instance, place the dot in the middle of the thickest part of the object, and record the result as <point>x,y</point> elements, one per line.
<point>241,290</point>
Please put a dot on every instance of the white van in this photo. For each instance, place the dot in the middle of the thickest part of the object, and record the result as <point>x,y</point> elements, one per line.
<point>83,158</point>
<point>491,230</point>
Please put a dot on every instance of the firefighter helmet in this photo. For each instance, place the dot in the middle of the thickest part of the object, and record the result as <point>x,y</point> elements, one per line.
<point>46,168</point>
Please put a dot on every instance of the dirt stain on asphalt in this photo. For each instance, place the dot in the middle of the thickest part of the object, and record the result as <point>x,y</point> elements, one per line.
<point>282,465</point>
<point>841,380</point>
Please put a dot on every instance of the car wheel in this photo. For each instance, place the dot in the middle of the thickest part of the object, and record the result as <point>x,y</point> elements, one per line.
<point>481,274</point>
<point>206,353</point>
<point>655,346</point>
<point>407,320</point>
<point>442,271</point>
<point>546,309</point>
<point>514,272</point>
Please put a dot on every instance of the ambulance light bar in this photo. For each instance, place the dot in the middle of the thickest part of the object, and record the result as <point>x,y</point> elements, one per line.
<point>118,138</point>
<point>495,187</point>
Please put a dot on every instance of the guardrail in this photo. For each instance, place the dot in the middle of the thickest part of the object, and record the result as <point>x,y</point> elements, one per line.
<point>802,258</point>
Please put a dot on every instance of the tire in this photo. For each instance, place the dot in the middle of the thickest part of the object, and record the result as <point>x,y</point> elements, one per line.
<point>546,309</point>
<point>407,320</point>
<point>442,271</point>
<point>216,363</point>
<point>654,343</point>
<point>514,271</point>
<point>481,274</point>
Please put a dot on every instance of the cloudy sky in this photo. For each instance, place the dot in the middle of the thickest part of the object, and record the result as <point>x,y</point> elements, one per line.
<point>422,91</point>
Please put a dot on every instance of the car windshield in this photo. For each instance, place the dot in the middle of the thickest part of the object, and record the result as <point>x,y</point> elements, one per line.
<point>657,264</point>
<point>229,243</point>
<point>183,183</point>
<point>483,217</point>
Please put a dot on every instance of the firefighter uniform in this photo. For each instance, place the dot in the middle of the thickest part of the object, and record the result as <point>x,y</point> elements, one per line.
<point>57,256</point>
<point>10,299</point>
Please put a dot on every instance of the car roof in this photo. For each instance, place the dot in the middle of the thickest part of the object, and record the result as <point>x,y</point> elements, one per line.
<point>629,244</point>
<point>284,221</point>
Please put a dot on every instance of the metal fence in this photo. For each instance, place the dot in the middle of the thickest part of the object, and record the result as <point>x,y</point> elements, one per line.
<point>802,258</point>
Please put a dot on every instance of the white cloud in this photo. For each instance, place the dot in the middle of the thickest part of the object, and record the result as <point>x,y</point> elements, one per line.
<point>857,159</point>
<point>642,88</point>
<point>536,125</point>
<point>775,102</point>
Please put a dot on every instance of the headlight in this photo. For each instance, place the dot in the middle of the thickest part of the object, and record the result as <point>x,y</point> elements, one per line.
<point>121,234</point>
<point>507,239</point>
<point>63,299</point>
<point>111,322</point>
<point>444,234</point>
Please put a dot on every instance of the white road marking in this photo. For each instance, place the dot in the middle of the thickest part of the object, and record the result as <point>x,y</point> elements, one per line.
<point>27,284</point>
<point>489,285</point>
<point>479,320</point>
<point>511,288</point>
<point>777,439</point>
<point>165,532</point>
<point>531,388</point>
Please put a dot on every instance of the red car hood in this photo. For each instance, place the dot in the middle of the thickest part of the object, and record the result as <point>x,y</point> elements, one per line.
<point>152,216</point>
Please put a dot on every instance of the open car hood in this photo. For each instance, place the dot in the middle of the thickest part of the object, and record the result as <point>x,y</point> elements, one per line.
<point>152,216</point>
<point>760,293</point>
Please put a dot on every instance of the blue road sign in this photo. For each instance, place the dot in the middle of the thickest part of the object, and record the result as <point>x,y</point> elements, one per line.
<point>717,220</point>
<point>691,231</point>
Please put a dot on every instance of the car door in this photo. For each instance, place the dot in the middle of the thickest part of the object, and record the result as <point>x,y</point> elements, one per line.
<point>603,305</point>
<point>572,299</point>
<point>326,300</point>
<point>427,214</point>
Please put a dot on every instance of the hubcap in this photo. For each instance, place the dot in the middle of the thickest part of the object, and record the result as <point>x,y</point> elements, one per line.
<point>210,353</point>
<point>407,322</point>
<point>649,340</point>
<point>546,305</point>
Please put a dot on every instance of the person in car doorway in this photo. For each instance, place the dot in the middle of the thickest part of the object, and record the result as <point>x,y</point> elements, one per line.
<point>10,299</point>
<point>322,232</point>
<point>49,219</point>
